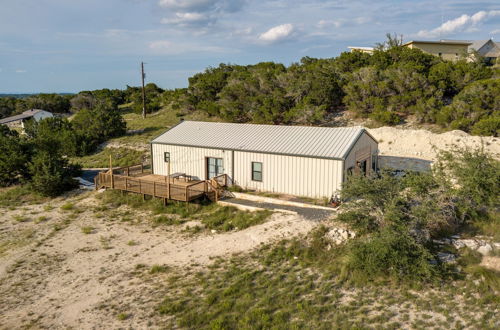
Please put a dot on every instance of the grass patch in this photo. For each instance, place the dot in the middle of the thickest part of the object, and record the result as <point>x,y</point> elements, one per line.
<point>41,218</point>
<point>131,243</point>
<point>87,230</point>
<point>20,218</point>
<point>122,316</point>
<point>154,124</point>
<point>67,206</point>
<point>121,157</point>
<point>297,283</point>
<point>113,199</point>
<point>19,195</point>
<point>230,218</point>
<point>158,269</point>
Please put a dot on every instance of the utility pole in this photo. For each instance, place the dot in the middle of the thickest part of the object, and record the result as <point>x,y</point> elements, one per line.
<point>143,92</point>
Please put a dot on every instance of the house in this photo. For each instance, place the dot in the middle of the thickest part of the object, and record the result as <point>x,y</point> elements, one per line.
<point>19,120</point>
<point>489,49</point>
<point>296,160</point>
<point>368,50</point>
<point>450,50</point>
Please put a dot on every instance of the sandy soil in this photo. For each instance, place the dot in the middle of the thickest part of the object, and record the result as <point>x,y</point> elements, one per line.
<point>66,278</point>
<point>423,144</point>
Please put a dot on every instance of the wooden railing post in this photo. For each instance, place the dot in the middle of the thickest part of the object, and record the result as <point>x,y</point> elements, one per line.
<point>154,188</point>
<point>142,168</point>
<point>186,192</point>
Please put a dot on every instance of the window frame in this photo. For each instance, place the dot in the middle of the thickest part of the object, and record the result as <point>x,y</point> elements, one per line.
<point>166,155</point>
<point>254,171</point>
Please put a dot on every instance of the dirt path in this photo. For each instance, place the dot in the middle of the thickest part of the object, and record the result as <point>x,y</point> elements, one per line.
<point>65,278</point>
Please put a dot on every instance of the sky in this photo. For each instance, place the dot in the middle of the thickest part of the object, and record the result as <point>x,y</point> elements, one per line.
<point>73,45</point>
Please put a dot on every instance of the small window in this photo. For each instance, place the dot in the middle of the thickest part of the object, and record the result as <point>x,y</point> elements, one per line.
<point>166,156</point>
<point>440,54</point>
<point>256,171</point>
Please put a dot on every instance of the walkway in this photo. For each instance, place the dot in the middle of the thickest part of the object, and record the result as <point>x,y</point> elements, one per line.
<point>308,213</point>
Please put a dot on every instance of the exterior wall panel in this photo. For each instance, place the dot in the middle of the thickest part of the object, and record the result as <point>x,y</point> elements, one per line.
<point>365,141</point>
<point>189,160</point>
<point>301,176</point>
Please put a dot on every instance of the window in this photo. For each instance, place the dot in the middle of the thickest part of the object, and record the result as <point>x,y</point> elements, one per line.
<point>440,54</point>
<point>166,156</point>
<point>256,171</point>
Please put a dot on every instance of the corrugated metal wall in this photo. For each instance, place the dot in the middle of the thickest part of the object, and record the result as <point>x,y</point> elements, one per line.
<point>365,141</point>
<point>189,160</point>
<point>301,176</point>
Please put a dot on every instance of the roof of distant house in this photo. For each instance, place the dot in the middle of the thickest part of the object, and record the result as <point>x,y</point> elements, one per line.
<point>306,141</point>
<point>440,42</point>
<point>25,115</point>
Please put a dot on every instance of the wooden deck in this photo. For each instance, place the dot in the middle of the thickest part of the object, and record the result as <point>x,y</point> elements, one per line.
<point>136,179</point>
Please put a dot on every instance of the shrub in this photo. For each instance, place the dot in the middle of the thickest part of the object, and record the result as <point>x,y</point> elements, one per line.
<point>361,222</point>
<point>388,254</point>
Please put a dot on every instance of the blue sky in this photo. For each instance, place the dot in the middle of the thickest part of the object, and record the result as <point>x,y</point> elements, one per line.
<point>73,45</point>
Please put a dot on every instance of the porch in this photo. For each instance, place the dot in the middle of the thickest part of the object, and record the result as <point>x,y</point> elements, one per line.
<point>177,186</point>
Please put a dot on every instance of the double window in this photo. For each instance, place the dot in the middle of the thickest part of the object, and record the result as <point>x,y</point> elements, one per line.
<point>166,157</point>
<point>257,171</point>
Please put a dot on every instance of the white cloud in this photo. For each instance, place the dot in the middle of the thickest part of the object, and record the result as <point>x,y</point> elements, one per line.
<point>329,23</point>
<point>165,47</point>
<point>277,33</point>
<point>189,18</point>
<point>459,24</point>
<point>497,31</point>
<point>21,71</point>
<point>196,13</point>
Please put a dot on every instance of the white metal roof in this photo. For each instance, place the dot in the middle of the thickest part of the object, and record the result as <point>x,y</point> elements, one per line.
<point>321,142</point>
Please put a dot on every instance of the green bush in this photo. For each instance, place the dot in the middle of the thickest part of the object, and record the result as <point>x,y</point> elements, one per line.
<point>361,222</point>
<point>487,126</point>
<point>386,117</point>
<point>388,254</point>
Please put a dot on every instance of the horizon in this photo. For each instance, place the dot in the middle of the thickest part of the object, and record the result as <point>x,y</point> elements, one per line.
<point>53,46</point>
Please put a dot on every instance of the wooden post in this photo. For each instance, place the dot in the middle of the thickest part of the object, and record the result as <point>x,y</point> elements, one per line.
<point>111,172</point>
<point>186,192</point>
<point>142,168</point>
<point>154,188</point>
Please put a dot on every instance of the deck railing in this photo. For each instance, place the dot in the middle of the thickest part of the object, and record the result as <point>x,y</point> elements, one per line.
<point>179,192</point>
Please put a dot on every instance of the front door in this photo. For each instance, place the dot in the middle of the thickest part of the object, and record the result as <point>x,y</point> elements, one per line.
<point>214,167</point>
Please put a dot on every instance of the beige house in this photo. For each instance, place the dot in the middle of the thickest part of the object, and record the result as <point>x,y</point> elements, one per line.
<point>295,160</point>
<point>368,50</point>
<point>451,50</point>
<point>19,120</point>
<point>489,49</point>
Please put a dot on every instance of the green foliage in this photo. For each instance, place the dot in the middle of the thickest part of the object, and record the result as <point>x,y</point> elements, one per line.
<point>230,218</point>
<point>471,175</point>
<point>51,174</point>
<point>153,98</point>
<point>475,107</point>
<point>94,126</point>
<point>14,156</point>
<point>391,254</point>
<point>121,157</point>
<point>49,102</point>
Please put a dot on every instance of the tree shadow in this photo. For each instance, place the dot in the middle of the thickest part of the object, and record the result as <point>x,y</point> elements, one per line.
<point>404,163</point>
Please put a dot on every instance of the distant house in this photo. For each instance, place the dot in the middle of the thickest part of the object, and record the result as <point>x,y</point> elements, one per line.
<point>296,160</point>
<point>19,120</point>
<point>450,50</point>
<point>489,49</point>
<point>368,50</point>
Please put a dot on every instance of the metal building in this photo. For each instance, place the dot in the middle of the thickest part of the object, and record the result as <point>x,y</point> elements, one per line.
<point>298,160</point>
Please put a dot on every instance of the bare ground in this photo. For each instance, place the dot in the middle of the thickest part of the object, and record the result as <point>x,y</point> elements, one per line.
<point>52,274</point>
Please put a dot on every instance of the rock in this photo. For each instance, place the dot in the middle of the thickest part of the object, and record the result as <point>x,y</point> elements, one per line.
<point>446,257</point>
<point>485,249</point>
<point>338,235</point>
<point>214,231</point>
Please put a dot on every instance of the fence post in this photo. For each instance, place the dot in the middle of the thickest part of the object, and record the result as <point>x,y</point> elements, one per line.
<point>154,188</point>
<point>187,197</point>
<point>142,168</point>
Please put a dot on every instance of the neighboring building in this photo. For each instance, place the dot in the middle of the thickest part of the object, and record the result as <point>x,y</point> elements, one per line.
<point>296,160</point>
<point>489,49</point>
<point>368,50</point>
<point>18,120</point>
<point>450,50</point>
